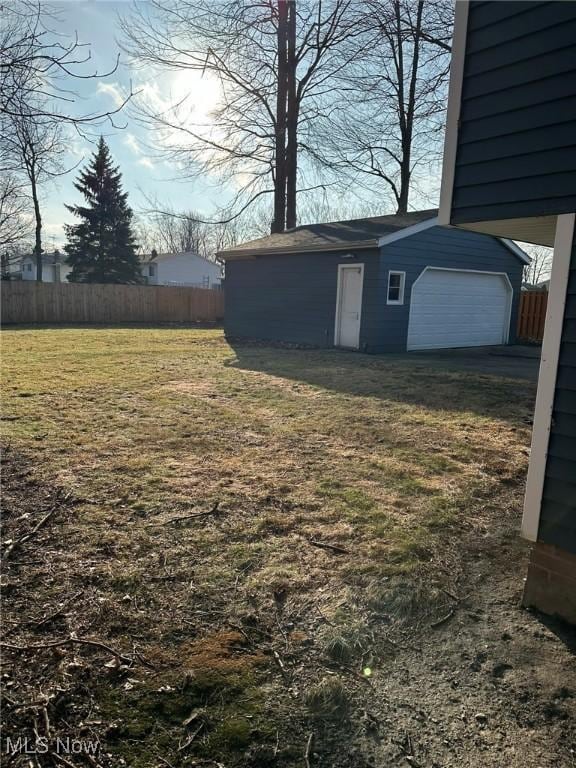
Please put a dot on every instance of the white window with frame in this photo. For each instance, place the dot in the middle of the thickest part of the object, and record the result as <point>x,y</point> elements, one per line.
<point>395,294</point>
<point>151,270</point>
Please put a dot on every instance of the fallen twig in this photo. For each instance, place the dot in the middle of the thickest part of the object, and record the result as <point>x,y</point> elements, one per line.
<point>69,641</point>
<point>214,511</point>
<point>18,542</point>
<point>331,547</point>
<point>143,660</point>
<point>308,750</point>
<point>57,613</point>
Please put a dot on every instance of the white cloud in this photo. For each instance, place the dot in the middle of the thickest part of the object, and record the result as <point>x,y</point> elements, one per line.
<point>132,142</point>
<point>185,98</point>
<point>146,162</point>
<point>113,90</point>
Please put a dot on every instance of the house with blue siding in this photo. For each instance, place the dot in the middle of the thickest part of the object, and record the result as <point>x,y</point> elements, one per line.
<point>381,284</point>
<point>510,171</point>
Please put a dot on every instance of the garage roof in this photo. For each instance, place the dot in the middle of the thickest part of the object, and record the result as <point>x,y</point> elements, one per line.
<point>329,236</point>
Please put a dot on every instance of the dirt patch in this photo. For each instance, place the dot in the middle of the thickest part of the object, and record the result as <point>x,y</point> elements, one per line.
<point>494,685</point>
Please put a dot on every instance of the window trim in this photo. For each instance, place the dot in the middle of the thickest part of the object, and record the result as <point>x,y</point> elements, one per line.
<point>400,300</point>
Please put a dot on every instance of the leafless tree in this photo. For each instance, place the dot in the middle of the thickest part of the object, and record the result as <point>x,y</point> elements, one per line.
<point>539,268</point>
<point>167,230</point>
<point>182,233</point>
<point>274,63</point>
<point>38,65</point>
<point>392,128</point>
<point>15,220</point>
<point>318,208</point>
<point>37,150</point>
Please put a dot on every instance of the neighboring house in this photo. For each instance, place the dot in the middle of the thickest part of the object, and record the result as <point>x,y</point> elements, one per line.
<point>54,267</point>
<point>388,283</point>
<point>181,269</point>
<point>510,170</point>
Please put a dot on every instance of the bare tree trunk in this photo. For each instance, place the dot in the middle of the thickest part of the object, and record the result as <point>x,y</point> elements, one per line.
<point>37,231</point>
<point>279,216</point>
<point>291,122</point>
<point>407,109</point>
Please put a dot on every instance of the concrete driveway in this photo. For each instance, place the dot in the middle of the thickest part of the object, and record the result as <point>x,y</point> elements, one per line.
<point>514,361</point>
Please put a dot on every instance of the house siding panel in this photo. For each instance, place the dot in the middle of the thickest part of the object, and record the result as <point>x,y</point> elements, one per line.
<point>558,513</point>
<point>440,247</point>
<point>518,106</point>
<point>503,25</point>
<point>292,298</point>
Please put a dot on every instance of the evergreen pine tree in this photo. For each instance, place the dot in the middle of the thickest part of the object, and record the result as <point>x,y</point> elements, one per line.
<point>101,248</point>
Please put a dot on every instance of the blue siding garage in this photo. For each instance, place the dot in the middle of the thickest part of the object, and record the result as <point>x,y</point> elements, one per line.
<point>279,290</point>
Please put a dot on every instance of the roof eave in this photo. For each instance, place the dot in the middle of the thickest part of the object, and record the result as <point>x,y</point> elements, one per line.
<point>420,226</point>
<point>250,253</point>
<point>515,249</point>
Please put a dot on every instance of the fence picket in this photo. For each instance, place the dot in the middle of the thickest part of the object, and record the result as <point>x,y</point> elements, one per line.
<point>532,315</point>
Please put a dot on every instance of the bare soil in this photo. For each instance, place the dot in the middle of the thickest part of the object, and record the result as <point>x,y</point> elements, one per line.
<point>494,686</point>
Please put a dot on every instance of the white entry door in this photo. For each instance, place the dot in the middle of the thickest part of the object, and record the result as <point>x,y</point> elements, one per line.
<point>459,308</point>
<point>349,305</point>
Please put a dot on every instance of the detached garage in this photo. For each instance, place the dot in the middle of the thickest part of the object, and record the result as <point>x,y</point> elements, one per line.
<point>388,283</point>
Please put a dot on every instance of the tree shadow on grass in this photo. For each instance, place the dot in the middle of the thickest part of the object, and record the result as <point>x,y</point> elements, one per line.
<point>445,382</point>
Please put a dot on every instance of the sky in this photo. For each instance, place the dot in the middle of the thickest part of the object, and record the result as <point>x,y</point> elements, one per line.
<point>145,175</point>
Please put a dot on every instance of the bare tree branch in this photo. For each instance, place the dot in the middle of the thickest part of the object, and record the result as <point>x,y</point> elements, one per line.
<point>390,134</point>
<point>273,65</point>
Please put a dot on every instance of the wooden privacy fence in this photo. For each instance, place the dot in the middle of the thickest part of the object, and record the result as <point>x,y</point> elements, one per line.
<point>32,302</point>
<point>532,315</point>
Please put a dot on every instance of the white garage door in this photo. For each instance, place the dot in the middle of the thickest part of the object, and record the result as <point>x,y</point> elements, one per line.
<point>453,308</point>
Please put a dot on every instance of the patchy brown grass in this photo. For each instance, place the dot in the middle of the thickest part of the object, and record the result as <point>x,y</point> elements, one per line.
<point>235,614</point>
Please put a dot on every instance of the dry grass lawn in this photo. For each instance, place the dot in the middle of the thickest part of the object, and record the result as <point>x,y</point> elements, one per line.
<point>235,619</point>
